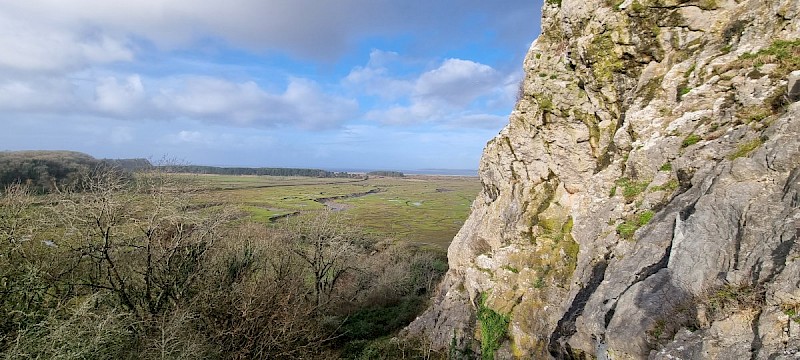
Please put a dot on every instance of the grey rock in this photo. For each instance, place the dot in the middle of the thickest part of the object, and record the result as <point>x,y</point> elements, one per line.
<point>645,203</point>
<point>793,90</point>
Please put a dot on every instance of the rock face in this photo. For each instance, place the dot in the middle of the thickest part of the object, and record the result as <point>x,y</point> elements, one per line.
<point>642,202</point>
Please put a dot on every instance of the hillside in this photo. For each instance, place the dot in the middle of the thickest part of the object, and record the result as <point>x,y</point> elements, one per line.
<point>642,202</point>
<point>45,171</point>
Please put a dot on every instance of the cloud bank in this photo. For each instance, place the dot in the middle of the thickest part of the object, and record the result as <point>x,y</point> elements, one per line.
<point>292,79</point>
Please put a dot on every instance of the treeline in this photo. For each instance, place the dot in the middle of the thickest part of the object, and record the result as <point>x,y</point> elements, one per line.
<point>132,165</point>
<point>43,171</point>
<point>49,171</point>
<point>386,173</point>
<point>125,268</point>
<point>199,169</point>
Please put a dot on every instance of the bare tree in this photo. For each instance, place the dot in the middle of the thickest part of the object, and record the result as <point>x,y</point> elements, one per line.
<point>136,238</point>
<point>15,217</point>
<point>326,245</point>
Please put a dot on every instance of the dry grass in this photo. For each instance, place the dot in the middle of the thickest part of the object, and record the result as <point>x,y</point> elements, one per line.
<point>784,53</point>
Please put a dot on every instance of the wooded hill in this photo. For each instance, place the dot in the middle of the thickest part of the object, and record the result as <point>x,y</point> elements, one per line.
<point>47,171</point>
<point>43,171</point>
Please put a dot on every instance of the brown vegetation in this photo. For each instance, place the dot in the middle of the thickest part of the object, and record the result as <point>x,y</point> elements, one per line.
<point>117,267</point>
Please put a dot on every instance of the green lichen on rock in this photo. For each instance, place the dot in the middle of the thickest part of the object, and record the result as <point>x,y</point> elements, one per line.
<point>545,102</point>
<point>590,121</point>
<point>651,89</point>
<point>708,4</point>
<point>556,250</point>
<point>554,2</point>
<point>605,61</point>
<point>644,23</point>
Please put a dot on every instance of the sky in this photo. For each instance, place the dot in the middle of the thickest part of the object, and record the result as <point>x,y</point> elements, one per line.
<point>361,84</point>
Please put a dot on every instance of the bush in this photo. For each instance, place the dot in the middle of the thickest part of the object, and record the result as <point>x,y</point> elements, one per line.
<point>126,268</point>
<point>630,188</point>
<point>784,53</point>
<point>628,228</point>
<point>746,148</point>
<point>87,329</point>
<point>690,140</point>
<point>493,328</point>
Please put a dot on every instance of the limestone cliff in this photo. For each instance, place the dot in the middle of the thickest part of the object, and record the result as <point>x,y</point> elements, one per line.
<point>643,199</point>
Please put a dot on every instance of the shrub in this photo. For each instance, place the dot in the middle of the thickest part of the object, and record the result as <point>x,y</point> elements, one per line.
<point>630,188</point>
<point>493,327</point>
<point>690,140</point>
<point>729,298</point>
<point>792,311</point>
<point>669,186</point>
<point>683,90</point>
<point>750,115</point>
<point>785,53</point>
<point>137,272</point>
<point>88,329</point>
<point>628,227</point>
<point>746,148</point>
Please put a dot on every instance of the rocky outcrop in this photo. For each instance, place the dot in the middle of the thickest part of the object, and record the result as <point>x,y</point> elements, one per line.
<point>643,199</point>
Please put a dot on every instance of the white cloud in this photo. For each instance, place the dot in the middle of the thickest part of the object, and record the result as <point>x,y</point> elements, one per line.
<point>39,94</point>
<point>120,98</point>
<point>375,78</point>
<point>39,47</point>
<point>318,29</point>
<point>213,98</point>
<point>456,82</point>
<point>205,138</point>
<point>66,58</point>
<point>304,104</point>
<point>444,95</point>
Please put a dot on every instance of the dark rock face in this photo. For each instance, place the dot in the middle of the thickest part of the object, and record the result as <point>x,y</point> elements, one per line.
<point>643,199</point>
<point>793,89</point>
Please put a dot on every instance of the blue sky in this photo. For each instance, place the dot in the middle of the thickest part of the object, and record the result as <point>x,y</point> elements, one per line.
<point>371,84</point>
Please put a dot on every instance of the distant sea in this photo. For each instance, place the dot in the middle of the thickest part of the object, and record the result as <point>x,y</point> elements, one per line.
<point>450,172</point>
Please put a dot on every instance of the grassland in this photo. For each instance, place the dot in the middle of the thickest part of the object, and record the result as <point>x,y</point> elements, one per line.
<point>418,209</point>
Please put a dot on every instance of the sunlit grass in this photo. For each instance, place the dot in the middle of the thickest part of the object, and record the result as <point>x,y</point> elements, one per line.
<point>419,209</point>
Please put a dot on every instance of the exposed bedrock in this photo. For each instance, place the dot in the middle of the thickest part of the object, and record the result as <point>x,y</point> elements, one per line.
<point>642,201</point>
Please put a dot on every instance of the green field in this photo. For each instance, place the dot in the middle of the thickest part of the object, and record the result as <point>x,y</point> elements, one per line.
<point>419,209</point>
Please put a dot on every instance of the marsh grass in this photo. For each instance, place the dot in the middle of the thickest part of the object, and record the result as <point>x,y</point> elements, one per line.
<point>419,209</point>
